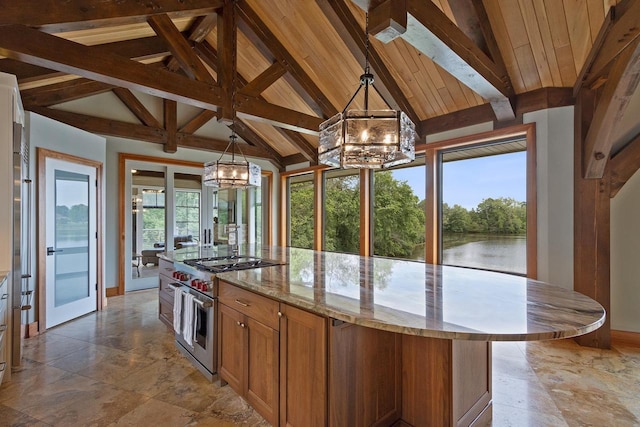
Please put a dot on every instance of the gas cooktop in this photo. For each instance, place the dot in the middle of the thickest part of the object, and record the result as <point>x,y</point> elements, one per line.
<point>220,264</point>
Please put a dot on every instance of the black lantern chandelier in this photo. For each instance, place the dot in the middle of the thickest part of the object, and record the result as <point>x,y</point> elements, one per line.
<point>234,173</point>
<point>372,139</point>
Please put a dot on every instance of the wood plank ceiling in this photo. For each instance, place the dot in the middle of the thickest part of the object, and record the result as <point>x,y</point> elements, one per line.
<point>283,66</point>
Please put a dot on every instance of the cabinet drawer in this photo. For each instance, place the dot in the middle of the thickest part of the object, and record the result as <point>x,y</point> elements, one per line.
<point>257,307</point>
<point>166,290</point>
<point>166,267</point>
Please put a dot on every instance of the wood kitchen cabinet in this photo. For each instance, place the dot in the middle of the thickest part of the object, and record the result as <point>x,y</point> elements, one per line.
<point>165,292</point>
<point>303,368</point>
<point>248,351</point>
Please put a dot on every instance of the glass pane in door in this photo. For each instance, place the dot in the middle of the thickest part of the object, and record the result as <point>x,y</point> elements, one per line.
<point>147,226</point>
<point>71,237</point>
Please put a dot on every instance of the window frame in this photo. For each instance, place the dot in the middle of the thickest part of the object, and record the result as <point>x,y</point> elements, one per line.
<point>433,153</point>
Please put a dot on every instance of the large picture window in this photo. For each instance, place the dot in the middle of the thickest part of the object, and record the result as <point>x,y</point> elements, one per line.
<point>342,211</point>
<point>399,211</point>
<point>484,208</point>
<point>301,211</point>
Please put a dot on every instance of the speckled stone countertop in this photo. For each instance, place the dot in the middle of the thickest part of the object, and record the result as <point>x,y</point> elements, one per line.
<point>413,297</point>
<point>3,275</point>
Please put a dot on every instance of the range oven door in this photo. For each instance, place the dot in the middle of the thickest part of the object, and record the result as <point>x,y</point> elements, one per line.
<point>203,349</point>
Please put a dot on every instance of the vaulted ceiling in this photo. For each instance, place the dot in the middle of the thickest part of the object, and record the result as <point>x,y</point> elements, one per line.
<point>284,66</point>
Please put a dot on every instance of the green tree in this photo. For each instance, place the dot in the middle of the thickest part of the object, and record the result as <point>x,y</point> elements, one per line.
<point>301,214</point>
<point>342,214</point>
<point>501,216</point>
<point>457,219</point>
<point>399,221</point>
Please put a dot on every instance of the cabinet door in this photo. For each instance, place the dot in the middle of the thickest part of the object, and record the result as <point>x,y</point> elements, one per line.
<point>303,368</point>
<point>263,370</point>
<point>232,354</point>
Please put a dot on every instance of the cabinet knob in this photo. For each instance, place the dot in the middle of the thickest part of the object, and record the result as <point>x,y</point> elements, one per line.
<point>242,325</point>
<point>280,314</point>
<point>241,303</point>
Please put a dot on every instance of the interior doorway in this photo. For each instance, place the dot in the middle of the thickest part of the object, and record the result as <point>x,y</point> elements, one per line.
<point>70,265</point>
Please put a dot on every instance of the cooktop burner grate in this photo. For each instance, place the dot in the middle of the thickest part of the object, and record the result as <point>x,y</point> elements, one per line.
<point>229,263</point>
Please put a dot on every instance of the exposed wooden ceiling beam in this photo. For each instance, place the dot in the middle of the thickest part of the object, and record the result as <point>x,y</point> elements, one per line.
<point>423,25</point>
<point>105,126</point>
<point>490,40</point>
<point>309,152</point>
<point>251,24</point>
<point>198,121</point>
<point>202,143</point>
<point>268,77</point>
<point>180,48</point>
<point>140,132</point>
<point>227,60</point>
<point>611,105</point>
<point>170,109</point>
<point>135,106</point>
<point>58,93</point>
<point>596,47</point>
<point>293,159</point>
<point>624,165</point>
<point>37,48</point>
<point>527,102</point>
<point>202,27</point>
<point>137,49</point>
<point>246,133</point>
<point>620,28</point>
<point>468,20</point>
<point>338,13</point>
<point>209,55</point>
<point>259,110</point>
<point>54,16</point>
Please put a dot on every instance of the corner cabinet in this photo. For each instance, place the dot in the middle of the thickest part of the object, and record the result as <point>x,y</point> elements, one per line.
<point>165,292</point>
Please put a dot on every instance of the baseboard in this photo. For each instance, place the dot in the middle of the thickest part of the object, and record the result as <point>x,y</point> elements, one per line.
<point>625,338</point>
<point>32,330</point>
<point>112,292</point>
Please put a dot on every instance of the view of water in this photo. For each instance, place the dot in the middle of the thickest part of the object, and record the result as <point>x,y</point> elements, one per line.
<point>493,252</point>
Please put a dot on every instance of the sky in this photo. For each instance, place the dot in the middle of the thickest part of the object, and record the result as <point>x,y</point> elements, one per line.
<point>468,182</point>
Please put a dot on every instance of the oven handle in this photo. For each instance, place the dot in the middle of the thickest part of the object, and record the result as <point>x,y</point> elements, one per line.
<point>203,304</point>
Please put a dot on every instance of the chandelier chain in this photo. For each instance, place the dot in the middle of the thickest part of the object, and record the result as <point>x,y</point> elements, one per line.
<point>366,43</point>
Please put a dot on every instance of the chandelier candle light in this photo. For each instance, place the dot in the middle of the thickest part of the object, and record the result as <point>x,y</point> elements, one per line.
<point>372,139</point>
<point>234,173</point>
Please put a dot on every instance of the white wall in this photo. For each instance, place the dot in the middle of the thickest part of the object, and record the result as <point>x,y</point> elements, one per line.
<point>554,146</point>
<point>46,133</point>
<point>625,257</point>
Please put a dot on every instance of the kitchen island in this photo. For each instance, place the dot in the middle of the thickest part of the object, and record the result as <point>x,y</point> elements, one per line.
<point>339,339</point>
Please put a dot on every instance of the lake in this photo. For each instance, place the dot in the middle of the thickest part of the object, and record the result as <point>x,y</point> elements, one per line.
<point>489,251</point>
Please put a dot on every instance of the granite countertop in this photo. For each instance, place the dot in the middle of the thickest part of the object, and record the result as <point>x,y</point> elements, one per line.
<point>3,275</point>
<point>413,297</point>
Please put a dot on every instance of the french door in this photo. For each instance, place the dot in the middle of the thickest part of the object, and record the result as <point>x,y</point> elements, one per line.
<point>71,240</point>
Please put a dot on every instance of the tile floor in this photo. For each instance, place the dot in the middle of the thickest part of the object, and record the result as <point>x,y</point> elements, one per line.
<point>120,367</point>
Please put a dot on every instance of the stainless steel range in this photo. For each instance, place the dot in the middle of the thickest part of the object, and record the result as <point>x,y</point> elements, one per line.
<point>221,264</point>
<point>198,278</point>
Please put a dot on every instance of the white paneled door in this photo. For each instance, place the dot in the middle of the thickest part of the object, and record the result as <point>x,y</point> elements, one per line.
<point>71,281</point>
